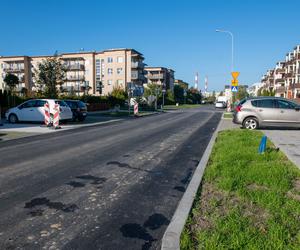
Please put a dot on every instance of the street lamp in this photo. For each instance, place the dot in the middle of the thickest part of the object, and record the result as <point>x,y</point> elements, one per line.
<point>230,33</point>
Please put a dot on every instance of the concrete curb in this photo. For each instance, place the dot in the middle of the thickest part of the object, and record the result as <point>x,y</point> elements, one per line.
<point>171,238</point>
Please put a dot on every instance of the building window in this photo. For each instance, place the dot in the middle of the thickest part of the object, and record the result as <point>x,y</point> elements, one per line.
<point>109,59</point>
<point>120,59</point>
<point>119,71</point>
<point>109,71</point>
<point>109,82</point>
<point>120,82</point>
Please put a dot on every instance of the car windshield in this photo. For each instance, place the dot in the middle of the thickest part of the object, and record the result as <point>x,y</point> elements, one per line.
<point>61,103</point>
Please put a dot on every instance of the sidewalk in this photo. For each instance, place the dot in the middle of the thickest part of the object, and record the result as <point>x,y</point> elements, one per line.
<point>288,141</point>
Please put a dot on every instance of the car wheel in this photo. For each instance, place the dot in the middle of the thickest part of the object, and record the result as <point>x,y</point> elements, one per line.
<point>250,123</point>
<point>13,118</point>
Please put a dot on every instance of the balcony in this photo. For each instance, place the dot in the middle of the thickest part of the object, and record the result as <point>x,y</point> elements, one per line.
<point>155,76</point>
<point>280,89</point>
<point>136,76</point>
<point>289,75</point>
<point>14,69</point>
<point>75,78</point>
<point>137,65</point>
<point>279,80</point>
<point>294,86</point>
<point>280,71</point>
<point>71,67</point>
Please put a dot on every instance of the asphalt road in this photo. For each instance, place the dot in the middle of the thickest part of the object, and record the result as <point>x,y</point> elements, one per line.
<point>104,187</point>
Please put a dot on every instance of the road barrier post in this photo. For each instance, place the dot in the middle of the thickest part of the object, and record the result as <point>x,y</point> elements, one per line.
<point>56,116</point>
<point>47,114</point>
<point>136,109</point>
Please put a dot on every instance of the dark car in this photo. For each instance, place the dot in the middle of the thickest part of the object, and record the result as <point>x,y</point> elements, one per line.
<point>78,108</point>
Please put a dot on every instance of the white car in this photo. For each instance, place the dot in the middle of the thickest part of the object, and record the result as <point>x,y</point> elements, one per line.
<point>220,104</point>
<point>33,111</point>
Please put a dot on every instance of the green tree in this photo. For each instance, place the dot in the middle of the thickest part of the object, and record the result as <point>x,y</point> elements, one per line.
<point>50,76</point>
<point>242,93</point>
<point>11,81</point>
<point>151,89</point>
<point>117,96</point>
<point>179,94</point>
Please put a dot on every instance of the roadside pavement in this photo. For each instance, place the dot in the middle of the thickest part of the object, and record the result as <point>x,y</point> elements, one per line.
<point>288,141</point>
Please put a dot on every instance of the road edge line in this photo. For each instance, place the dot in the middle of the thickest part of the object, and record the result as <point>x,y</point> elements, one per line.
<point>171,238</point>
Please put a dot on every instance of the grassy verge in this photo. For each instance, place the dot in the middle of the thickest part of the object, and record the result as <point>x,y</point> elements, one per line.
<point>5,135</point>
<point>247,200</point>
<point>182,106</point>
<point>227,115</point>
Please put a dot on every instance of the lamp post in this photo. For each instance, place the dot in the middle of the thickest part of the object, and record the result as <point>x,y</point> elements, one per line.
<point>230,33</point>
<point>232,65</point>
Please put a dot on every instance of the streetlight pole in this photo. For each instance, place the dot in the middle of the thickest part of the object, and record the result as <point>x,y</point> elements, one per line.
<point>230,33</point>
<point>232,65</point>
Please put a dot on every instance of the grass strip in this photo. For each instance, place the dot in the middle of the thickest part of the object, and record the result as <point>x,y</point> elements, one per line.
<point>246,200</point>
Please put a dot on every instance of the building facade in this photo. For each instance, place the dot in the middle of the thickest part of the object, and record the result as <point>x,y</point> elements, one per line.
<point>95,73</point>
<point>160,76</point>
<point>181,83</point>
<point>284,79</point>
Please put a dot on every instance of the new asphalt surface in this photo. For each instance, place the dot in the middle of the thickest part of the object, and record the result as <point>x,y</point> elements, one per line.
<point>114,186</point>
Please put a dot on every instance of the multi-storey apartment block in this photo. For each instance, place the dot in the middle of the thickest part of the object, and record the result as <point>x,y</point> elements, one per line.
<point>161,76</point>
<point>285,77</point>
<point>86,72</point>
<point>181,83</point>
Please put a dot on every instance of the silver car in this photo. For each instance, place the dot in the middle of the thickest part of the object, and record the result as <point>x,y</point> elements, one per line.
<point>257,112</point>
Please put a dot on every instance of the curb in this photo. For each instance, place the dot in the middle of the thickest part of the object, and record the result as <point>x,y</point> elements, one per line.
<point>171,238</point>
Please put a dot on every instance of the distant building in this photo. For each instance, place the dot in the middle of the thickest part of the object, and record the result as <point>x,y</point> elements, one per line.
<point>181,83</point>
<point>85,70</point>
<point>253,89</point>
<point>161,76</point>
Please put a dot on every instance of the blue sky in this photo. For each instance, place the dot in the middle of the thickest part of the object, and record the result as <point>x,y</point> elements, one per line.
<point>171,33</point>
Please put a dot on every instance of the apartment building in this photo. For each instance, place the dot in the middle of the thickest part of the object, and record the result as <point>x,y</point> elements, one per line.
<point>92,73</point>
<point>160,76</point>
<point>285,77</point>
<point>181,83</point>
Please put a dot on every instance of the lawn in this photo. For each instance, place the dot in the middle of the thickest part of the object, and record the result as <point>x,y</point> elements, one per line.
<point>182,106</point>
<point>246,200</point>
<point>227,115</point>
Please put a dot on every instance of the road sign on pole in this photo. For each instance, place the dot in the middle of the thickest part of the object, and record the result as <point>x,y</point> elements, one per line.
<point>234,83</point>
<point>235,75</point>
<point>234,88</point>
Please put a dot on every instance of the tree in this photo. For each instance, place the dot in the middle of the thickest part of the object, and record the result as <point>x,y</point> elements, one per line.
<point>117,96</point>
<point>11,81</point>
<point>242,93</point>
<point>179,94</point>
<point>50,76</point>
<point>194,96</point>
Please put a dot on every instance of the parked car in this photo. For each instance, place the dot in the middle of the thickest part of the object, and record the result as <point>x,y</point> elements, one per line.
<point>33,111</point>
<point>79,109</point>
<point>257,112</point>
<point>220,104</point>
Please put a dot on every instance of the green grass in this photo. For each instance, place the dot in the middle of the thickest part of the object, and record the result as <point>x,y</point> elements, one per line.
<point>246,200</point>
<point>182,106</point>
<point>227,115</point>
<point>13,135</point>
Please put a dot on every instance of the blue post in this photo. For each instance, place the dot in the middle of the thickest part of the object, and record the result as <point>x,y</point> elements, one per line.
<point>262,145</point>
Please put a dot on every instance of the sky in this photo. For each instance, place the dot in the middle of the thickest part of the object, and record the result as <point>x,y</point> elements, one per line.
<point>171,33</point>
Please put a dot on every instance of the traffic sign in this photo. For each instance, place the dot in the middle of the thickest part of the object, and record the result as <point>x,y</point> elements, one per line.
<point>234,83</point>
<point>234,88</point>
<point>235,75</point>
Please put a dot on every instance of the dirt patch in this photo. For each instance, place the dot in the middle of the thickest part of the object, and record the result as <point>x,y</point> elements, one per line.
<point>296,185</point>
<point>215,203</point>
<point>254,187</point>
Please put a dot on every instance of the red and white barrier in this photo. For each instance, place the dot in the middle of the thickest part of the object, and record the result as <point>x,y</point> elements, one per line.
<point>56,116</point>
<point>47,114</point>
<point>136,109</point>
